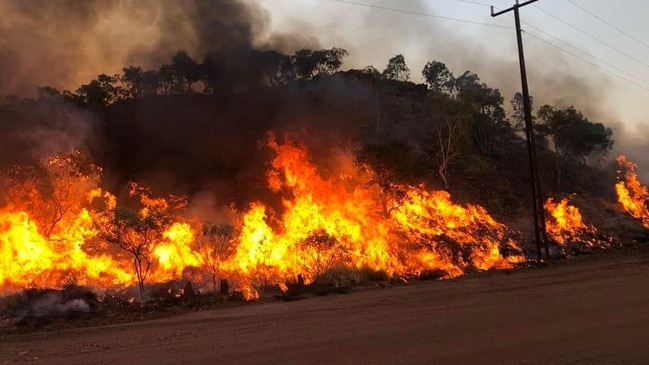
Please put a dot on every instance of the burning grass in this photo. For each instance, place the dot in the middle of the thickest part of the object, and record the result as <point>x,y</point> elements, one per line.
<point>330,221</point>
<point>565,226</point>
<point>58,226</point>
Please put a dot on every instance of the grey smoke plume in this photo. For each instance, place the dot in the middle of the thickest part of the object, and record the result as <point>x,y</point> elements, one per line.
<point>52,305</point>
<point>32,306</point>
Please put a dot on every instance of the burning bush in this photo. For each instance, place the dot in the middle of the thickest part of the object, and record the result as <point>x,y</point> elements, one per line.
<point>326,220</point>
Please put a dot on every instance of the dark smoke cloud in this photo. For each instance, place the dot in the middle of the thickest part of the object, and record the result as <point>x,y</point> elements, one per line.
<point>65,43</point>
<point>32,131</point>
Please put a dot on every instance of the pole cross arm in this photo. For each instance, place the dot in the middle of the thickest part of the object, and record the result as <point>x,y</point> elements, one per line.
<point>512,8</point>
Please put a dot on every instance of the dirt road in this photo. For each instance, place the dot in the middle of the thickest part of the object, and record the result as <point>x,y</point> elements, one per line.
<point>591,311</point>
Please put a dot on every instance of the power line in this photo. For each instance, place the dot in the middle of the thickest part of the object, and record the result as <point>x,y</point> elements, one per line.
<point>593,37</point>
<point>607,23</point>
<point>579,50</point>
<point>422,14</point>
<point>474,2</point>
<point>573,54</point>
<point>581,58</point>
<point>592,63</point>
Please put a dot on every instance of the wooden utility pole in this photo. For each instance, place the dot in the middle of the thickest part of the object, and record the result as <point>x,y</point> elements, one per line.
<point>540,233</point>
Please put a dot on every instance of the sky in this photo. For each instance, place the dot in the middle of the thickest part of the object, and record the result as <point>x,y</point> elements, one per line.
<point>577,51</point>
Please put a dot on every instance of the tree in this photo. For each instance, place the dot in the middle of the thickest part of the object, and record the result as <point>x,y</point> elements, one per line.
<point>52,190</point>
<point>483,99</point>
<point>215,243</point>
<point>518,112</point>
<point>180,75</point>
<point>139,83</point>
<point>308,64</point>
<point>485,104</point>
<point>101,92</point>
<point>449,133</point>
<point>137,232</point>
<point>390,165</point>
<point>397,69</point>
<point>371,71</point>
<point>266,66</point>
<point>438,78</point>
<point>574,137</point>
<point>319,252</point>
<point>48,93</point>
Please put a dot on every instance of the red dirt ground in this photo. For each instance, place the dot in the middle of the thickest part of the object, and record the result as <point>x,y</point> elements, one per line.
<point>590,310</point>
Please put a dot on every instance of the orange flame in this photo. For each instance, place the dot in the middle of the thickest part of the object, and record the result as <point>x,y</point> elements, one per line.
<point>328,217</point>
<point>564,222</point>
<point>421,230</point>
<point>630,192</point>
<point>565,225</point>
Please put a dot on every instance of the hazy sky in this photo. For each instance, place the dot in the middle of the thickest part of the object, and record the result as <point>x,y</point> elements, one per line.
<point>374,35</point>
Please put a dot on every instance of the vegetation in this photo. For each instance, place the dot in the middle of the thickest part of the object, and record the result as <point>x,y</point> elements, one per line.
<point>215,244</point>
<point>451,133</point>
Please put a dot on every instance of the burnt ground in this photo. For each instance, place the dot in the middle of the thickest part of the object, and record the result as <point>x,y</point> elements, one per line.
<point>586,310</point>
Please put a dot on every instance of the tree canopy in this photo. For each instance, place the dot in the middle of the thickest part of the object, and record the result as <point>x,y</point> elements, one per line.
<point>573,135</point>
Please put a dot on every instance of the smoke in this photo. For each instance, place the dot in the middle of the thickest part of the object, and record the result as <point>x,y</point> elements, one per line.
<point>65,43</point>
<point>48,128</point>
<point>37,306</point>
<point>52,305</point>
<point>555,77</point>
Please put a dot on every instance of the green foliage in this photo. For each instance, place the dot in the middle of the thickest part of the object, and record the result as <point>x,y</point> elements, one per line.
<point>135,233</point>
<point>397,69</point>
<point>481,98</point>
<point>573,135</point>
<point>215,243</point>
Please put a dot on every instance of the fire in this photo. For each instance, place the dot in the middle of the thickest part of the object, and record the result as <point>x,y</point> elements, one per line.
<point>29,259</point>
<point>565,225</point>
<point>335,220</point>
<point>564,222</point>
<point>175,252</point>
<point>328,217</point>
<point>630,192</point>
